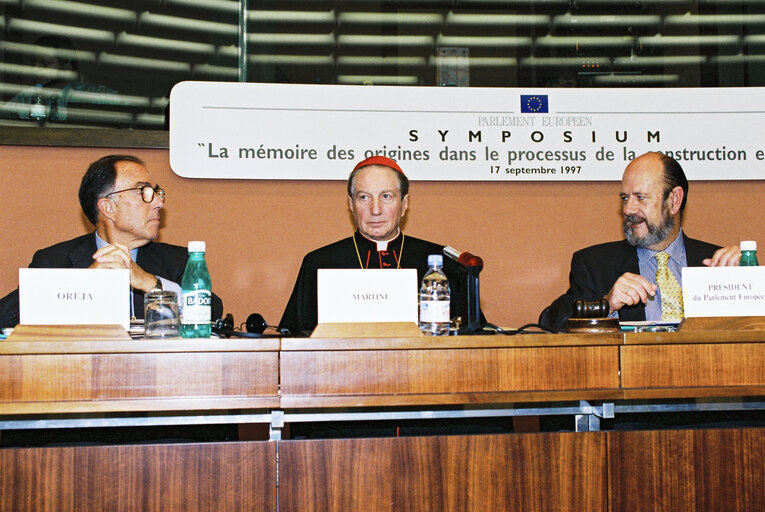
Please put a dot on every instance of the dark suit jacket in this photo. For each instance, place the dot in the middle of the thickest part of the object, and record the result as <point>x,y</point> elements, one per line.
<point>164,260</point>
<point>594,271</point>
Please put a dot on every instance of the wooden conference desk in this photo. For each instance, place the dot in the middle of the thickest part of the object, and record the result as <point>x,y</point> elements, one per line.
<point>116,383</point>
<point>100,383</point>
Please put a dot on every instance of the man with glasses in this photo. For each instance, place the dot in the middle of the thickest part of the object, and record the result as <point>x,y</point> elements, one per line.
<point>121,199</point>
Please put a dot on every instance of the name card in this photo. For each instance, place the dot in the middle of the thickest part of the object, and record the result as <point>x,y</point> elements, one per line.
<point>74,296</point>
<point>724,291</point>
<point>371,295</point>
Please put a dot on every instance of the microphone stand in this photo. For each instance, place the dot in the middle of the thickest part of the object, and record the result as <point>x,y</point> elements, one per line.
<point>473,266</point>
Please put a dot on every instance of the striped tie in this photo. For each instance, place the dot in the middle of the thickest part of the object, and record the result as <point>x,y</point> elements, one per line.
<point>671,293</point>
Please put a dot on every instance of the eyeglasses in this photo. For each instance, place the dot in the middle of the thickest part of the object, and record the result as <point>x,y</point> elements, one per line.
<point>147,192</point>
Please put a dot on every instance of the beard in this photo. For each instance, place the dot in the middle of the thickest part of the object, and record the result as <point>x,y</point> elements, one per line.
<point>656,233</point>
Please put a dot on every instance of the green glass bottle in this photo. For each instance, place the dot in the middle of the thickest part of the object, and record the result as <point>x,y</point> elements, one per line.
<point>748,254</point>
<point>197,294</point>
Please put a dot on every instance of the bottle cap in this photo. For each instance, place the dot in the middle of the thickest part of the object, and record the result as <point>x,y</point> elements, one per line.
<point>748,245</point>
<point>197,246</point>
<point>435,260</point>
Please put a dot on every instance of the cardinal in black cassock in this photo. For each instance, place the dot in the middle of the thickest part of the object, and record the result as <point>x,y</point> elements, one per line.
<point>378,199</point>
<point>401,252</point>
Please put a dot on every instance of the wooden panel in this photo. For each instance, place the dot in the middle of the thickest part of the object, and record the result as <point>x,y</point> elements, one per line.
<point>422,372</point>
<point>660,393</point>
<point>84,137</point>
<point>691,336</point>
<point>699,365</point>
<point>367,330</point>
<point>78,346</point>
<point>143,405</point>
<point>529,472</point>
<point>50,378</point>
<point>494,397</point>
<point>438,342</point>
<point>23,333</point>
<point>143,478</point>
<point>724,323</point>
<point>702,470</point>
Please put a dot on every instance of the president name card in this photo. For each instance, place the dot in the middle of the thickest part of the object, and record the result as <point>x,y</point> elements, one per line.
<point>371,295</point>
<point>69,296</point>
<point>724,291</point>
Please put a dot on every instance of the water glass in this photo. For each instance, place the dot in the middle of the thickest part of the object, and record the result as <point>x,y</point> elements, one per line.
<point>161,319</point>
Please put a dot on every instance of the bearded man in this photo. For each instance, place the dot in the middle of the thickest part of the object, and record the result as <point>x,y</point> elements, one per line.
<point>641,276</point>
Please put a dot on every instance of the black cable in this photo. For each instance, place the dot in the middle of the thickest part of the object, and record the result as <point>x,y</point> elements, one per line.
<point>235,333</point>
<point>523,329</point>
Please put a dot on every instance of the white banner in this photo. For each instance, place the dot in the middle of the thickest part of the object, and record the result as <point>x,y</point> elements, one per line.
<point>287,131</point>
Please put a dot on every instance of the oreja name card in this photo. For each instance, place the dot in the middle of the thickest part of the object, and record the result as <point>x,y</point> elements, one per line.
<point>371,295</point>
<point>72,296</point>
<point>724,291</point>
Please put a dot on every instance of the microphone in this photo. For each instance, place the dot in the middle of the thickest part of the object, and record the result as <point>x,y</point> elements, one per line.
<point>465,259</point>
<point>473,266</point>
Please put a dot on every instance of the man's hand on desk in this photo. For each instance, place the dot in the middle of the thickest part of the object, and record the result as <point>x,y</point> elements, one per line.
<point>628,290</point>
<point>118,256</point>
<point>725,257</point>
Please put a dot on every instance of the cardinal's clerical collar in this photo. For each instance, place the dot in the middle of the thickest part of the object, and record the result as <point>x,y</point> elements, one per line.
<point>382,246</point>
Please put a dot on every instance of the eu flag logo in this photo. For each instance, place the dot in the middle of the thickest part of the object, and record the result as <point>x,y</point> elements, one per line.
<point>533,103</point>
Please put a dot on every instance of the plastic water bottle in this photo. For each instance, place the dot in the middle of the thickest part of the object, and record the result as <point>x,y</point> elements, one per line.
<point>434,299</point>
<point>37,108</point>
<point>748,254</point>
<point>197,296</point>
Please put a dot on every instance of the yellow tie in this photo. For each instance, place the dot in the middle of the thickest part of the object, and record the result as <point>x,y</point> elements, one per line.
<point>671,293</point>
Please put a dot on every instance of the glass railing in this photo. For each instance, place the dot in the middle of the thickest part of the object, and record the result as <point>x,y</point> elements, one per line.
<point>111,64</point>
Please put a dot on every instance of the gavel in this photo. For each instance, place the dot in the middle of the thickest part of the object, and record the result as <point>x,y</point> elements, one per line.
<point>591,316</point>
<point>590,308</point>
